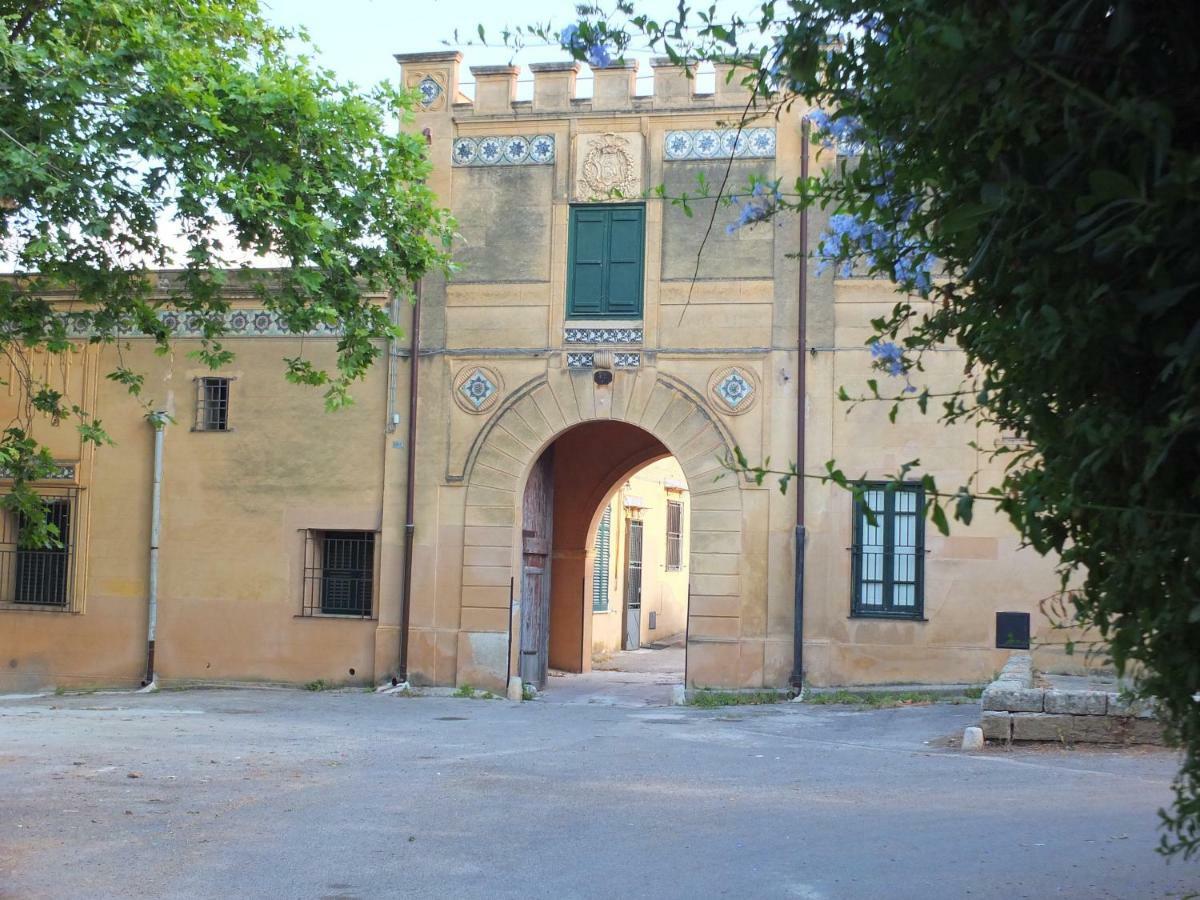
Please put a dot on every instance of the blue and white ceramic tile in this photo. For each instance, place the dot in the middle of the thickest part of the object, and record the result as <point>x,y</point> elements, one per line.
<point>491,150</point>
<point>706,145</point>
<point>627,360</point>
<point>430,90</point>
<point>678,145</point>
<point>465,152</point>
<point>734,389</point>
<point>504,150</point>
<point>580,360</point>
<point>477,389</point>
<point>541,149</point>
<point>709,144</point>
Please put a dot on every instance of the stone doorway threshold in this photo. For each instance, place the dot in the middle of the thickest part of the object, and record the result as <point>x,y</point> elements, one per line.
<point>644,677</point>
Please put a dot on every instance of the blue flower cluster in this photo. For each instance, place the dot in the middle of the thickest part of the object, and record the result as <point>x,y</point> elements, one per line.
<point>850,237</point>
<point>758,207</point>
<point>890,356</point>
<point>597,53</point>
<point>844,132</point>
<point>874,27</point>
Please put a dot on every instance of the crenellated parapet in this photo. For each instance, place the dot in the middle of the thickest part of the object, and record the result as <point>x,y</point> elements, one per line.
<point>437,76</point>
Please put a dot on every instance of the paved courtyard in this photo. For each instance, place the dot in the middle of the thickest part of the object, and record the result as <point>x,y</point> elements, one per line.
<point>268,793</point>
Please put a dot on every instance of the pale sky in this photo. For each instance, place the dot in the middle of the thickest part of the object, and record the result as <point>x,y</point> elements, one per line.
<point>357,38</point>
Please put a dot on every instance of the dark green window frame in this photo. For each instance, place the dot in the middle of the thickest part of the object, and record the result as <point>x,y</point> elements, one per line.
<point>889,555</point>
<point>606,261</point>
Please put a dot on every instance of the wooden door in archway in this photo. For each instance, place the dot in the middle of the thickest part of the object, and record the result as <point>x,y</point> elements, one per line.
<point>537,530</point>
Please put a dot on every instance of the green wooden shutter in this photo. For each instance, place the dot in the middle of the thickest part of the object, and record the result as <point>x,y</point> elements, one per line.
<point>625,245</point>
<point>602,564</point>
<point>604,262</point>
<point>588,261</point>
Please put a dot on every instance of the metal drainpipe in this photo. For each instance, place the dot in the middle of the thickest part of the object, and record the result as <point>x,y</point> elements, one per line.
<point>797,679</point>
<point>158,421</point>
<point>409,487</point>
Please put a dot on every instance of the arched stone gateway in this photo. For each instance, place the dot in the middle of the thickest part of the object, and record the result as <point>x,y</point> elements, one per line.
<point>601,434</point>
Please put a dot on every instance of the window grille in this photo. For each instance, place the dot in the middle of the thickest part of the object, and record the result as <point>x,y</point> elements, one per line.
<point>674,535</point>
<point>339,573</point>
<point>212,404</point>
<point>39,576</point>
<point>602,563</point>
<point>889,554</point>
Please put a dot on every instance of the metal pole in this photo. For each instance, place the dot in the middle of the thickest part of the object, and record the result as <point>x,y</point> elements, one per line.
<point>797,678</point>
<point>158,421</point>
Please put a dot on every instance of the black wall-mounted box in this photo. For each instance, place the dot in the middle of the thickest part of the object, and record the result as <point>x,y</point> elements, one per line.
<point>1012,631</point>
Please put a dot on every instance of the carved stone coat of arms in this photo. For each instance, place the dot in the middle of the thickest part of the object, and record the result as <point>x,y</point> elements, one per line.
<point>609,166</point>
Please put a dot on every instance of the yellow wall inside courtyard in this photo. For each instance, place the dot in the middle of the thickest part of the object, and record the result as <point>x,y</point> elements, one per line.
<point>664,591</point>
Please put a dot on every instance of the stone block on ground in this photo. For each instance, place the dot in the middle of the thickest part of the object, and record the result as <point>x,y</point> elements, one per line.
<point>1077,703</point>
<point>1142,708</point>
<point>997,726</point>
<point>1066,729</point>
<point>1144,731</point>
<point>1002,697</point>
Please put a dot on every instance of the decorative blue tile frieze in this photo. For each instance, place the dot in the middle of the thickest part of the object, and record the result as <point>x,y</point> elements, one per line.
<point>235,323</point>
<point>720,143</point>
<point>603,335</point>
<point>587,360</point>
<point>504,150</point>
<point>64,472</point>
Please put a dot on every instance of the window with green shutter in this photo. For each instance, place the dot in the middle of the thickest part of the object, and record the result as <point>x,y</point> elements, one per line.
<point>602,563</point>
<point>604,261</point>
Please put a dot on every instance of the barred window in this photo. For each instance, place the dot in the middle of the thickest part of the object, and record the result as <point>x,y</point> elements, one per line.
<point>339,573</point>
<point>889,553</point>
<point>674,535</point>
<point>603,560</point>
<point>212,404</point>
<point>40,576</point>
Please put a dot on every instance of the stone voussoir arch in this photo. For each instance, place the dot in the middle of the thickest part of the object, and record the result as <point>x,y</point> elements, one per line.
<point>537,413</point>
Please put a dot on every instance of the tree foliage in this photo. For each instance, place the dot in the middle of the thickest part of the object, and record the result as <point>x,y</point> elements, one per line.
<point>1028,175</point>
<point>136,135</point>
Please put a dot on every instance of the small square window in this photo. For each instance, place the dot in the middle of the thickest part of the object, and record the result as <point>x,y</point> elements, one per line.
<point>339,573</point>
<point>212,404</point>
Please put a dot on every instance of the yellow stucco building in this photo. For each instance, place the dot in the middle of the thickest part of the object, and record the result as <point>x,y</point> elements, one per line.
<point>592,329</point>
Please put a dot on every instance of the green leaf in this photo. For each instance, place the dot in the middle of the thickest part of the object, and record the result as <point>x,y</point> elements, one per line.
<point>938,515</point>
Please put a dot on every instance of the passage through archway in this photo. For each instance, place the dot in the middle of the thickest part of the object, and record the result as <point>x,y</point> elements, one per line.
<point>604,546</point>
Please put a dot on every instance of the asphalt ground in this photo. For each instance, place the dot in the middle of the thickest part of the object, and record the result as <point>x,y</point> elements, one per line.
<point>272,793</point>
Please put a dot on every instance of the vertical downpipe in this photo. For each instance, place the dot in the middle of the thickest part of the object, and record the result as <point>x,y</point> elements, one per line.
<point>797,679</point>
<point>158,421</point>
<point>410,526</point>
